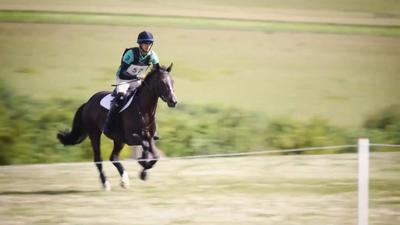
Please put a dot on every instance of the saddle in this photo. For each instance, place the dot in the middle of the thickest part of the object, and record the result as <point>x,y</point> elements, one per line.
<point>105,102</point>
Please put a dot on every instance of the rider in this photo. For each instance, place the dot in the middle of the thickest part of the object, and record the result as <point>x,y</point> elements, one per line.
<point>134,63</point>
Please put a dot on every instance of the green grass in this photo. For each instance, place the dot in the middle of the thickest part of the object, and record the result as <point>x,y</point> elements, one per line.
<point>339,77</point>
<point>193,22</point>
<point>295,68</point>
<point>257,190</point>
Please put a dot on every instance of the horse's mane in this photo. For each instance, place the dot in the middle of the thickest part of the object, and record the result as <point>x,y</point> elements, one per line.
<point>150,75</point>
<point>153,71</point>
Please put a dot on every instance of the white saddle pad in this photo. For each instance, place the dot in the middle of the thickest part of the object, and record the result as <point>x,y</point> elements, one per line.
<point>106,102</point>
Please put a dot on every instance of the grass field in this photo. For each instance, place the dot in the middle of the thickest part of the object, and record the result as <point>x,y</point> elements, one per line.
<point>193,22</point>
<point>313,189</point>
<point>303,67</point>
<point>312,64</point>
<point>333,59</point>
<point>340,77</point>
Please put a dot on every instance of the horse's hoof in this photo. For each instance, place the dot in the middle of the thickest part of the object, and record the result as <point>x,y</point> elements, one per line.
<point>125,180</point>
<point>107,186</point>
<point>143,175</point>
<point>124,185</point>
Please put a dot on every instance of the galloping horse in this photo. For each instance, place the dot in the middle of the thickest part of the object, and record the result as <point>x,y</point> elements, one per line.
<point>136,123</point>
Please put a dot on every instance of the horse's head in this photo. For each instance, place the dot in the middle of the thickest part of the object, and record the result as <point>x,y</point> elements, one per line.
<point>163,84</point>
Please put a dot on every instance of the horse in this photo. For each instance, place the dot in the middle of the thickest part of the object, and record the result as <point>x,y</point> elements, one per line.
<point>136,125</point>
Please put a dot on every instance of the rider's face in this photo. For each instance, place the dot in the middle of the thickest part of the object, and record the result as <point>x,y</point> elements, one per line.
<point>145,46</point>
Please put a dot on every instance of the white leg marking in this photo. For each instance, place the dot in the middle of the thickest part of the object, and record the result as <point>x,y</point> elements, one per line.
<point>125,180</point>
<point>107,186</point>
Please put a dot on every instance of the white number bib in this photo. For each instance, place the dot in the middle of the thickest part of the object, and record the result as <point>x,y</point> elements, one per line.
<point>136,70</point>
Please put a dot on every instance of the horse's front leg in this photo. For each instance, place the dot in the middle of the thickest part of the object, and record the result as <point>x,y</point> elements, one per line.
<point>150,147</point>
<point>143,161</point>
<point>153,150</point>
<point>146,161</point>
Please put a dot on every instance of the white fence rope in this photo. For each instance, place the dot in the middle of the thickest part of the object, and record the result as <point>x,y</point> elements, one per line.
<point>238,154</point>
<point>225,155</point>
<point>384,145</point>
<point>254,153</point>
<point>220,155</point>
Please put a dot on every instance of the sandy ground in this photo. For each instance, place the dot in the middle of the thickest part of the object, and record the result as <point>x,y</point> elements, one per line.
<point>309,189</point>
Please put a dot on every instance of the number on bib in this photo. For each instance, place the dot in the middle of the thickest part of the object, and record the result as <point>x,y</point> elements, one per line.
<point>136,70</point>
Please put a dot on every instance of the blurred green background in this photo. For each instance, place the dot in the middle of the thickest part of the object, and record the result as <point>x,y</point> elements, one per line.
<point>249,75</point>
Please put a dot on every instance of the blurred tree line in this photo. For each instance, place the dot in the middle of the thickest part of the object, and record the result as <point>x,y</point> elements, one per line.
<point>28,131</point>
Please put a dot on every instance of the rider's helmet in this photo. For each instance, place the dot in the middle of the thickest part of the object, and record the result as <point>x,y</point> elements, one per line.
<point>145,37</point>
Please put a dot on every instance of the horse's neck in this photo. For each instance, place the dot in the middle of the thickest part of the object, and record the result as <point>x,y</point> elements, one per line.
<point>147,102</point>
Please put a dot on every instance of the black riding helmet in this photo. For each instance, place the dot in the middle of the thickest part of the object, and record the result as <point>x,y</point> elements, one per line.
<point>145,37</point>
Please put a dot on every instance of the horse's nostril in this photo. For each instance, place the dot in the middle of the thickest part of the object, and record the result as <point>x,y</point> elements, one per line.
<point>172,103</point>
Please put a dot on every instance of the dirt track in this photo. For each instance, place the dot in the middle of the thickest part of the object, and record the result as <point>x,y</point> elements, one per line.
<point>249,190</point>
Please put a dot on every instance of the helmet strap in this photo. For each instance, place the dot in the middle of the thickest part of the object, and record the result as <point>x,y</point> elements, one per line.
<point>143,51</point>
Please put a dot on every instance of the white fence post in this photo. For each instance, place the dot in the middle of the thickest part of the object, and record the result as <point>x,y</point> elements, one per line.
<point>363,180</point>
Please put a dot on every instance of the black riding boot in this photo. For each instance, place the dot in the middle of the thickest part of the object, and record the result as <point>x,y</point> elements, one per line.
<point>110,123</point>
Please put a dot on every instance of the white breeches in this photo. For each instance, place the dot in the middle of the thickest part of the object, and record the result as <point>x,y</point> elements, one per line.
<point>127,85</point>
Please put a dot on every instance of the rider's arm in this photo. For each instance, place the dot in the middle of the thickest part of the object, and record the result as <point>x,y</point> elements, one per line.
<point>126,60</point>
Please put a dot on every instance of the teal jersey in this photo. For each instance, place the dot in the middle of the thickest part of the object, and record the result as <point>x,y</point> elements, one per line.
<point>133,56</point>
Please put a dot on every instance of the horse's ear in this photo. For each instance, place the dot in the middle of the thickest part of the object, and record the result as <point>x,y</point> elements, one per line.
<point>157,66</point>
<point>170,67</point>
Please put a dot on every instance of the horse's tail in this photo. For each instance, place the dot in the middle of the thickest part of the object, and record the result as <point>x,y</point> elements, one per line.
<point>78,132</point>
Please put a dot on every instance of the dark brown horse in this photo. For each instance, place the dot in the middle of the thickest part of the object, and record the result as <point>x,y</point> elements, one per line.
<point>136,123</point>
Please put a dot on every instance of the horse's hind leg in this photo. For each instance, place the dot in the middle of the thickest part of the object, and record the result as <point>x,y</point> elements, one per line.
<point>95,140</point>
<point>114,158</point>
